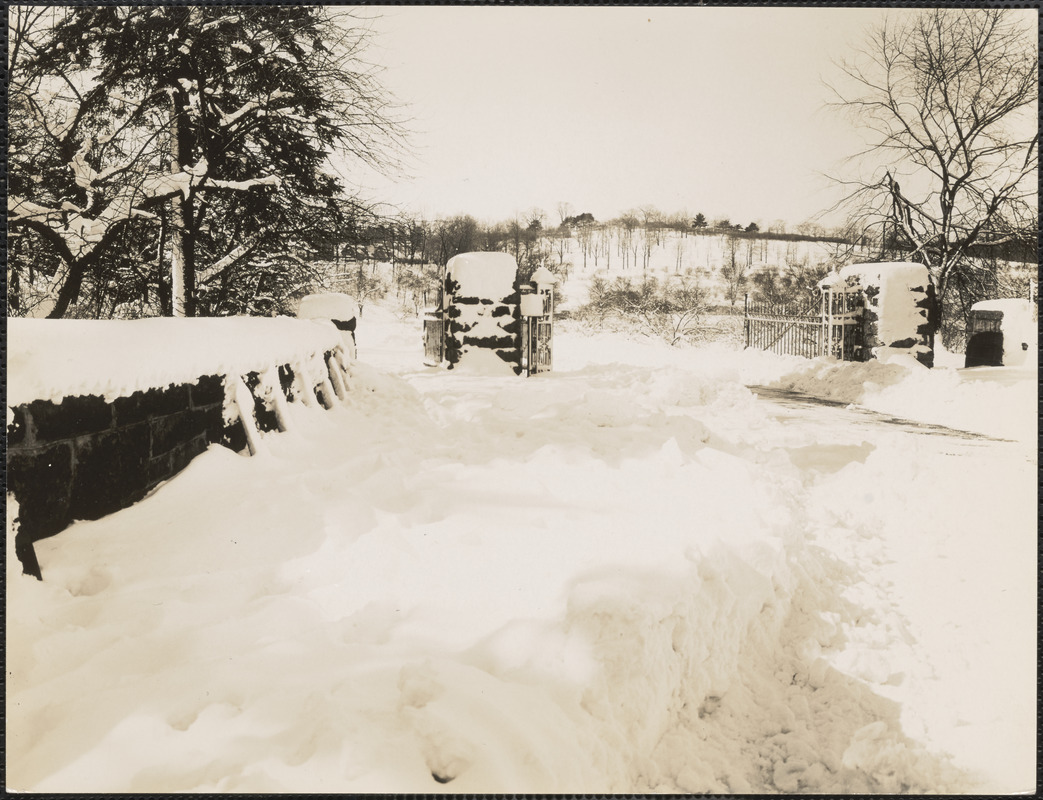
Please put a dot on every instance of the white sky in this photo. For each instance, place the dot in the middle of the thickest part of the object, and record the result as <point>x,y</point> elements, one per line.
<point>712,110</point>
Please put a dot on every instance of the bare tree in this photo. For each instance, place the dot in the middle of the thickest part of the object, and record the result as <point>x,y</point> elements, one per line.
<point>811,228</point>
<point>585,233</point>
<point>651,222</point>
<point>455,235</point>
<point>949,98</point>
<point>735,271</point>
<point>564,230</point>
<point>564,209</point>
<point>628,222</point>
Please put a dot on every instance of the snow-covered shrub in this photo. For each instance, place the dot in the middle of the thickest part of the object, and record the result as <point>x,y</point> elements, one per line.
<point>670,309</point>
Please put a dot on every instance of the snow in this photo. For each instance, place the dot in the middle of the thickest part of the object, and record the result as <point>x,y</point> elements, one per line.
<point>479,311</point>
<point>999,403</point>
<point>82,233</point>
<point>488,275</point>
<point>544,276</point>
<point>479,322</point>
<point>52,359</point>
<point>627,575</point>
<point>329,305</point>
<point>908,273</point>
<point>531,305</point>
<point>482,361</point>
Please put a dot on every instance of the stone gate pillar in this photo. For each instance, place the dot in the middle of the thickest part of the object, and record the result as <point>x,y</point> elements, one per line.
<point>899,310</point>
<point>481,310</point>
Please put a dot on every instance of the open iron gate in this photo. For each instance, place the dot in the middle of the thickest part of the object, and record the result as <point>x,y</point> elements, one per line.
<point>434,338</point>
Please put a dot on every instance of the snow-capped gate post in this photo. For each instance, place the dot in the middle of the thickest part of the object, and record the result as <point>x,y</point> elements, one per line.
<point>536,307</point>
<point>898,309</point>
<point>489,321</point>
<point>480,303</point>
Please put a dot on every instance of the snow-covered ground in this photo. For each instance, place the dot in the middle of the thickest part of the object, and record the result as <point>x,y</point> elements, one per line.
<point>631,574</point>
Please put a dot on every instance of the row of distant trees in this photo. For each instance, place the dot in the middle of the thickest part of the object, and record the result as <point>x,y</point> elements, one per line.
<point>624,243</point>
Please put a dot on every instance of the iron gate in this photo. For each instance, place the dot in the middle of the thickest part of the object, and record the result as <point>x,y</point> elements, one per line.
<point>434,339</point>
<point>834,330</point>
<point>842,313</point>
<point>786,332</point>
<point>541,346</point>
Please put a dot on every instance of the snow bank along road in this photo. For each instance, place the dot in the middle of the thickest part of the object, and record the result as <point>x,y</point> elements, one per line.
<point>631,574</point>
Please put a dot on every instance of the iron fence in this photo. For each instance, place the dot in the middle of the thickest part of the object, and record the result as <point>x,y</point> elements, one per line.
<point>786,331</point>
<point>832,329</point>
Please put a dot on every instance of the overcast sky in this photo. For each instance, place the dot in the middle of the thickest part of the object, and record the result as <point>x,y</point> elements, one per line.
<point>711,110</point>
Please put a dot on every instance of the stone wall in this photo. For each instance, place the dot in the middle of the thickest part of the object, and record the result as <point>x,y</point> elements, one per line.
<point>86,457</point>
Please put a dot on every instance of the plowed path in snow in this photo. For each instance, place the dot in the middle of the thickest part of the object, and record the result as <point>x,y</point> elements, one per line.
<point>940,526</point>
<point>795,402</point>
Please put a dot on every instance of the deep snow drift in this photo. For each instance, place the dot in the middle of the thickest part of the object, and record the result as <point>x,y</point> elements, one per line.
<point>627,575</point>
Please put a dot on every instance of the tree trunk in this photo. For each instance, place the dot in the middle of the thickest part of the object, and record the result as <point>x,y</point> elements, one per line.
<point>182,259</point>
<point>177,230</point>
<point>70,289</point>
<point>182,234</point>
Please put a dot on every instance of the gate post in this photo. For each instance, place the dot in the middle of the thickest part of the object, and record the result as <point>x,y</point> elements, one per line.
<point>746,318</point>
<point>823,330</point>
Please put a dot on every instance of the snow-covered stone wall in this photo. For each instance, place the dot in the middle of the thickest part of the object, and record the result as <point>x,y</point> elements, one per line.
<point>100,413</point>
<point>482,313</point>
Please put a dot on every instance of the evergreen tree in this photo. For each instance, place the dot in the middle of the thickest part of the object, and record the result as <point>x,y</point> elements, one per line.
<point>212,124</point>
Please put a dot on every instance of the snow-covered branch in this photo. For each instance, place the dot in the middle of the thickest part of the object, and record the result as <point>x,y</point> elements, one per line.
<point>80,231</point>
<point>250,107</point>
<point>229,260</point>
<point>242,186</point>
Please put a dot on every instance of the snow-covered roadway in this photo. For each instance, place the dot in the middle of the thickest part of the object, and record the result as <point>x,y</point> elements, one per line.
<point>631,574</point>
<point>939,524</point>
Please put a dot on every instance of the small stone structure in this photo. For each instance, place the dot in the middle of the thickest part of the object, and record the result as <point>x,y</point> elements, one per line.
<point>897,308</point>
<point>1000,333</point>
